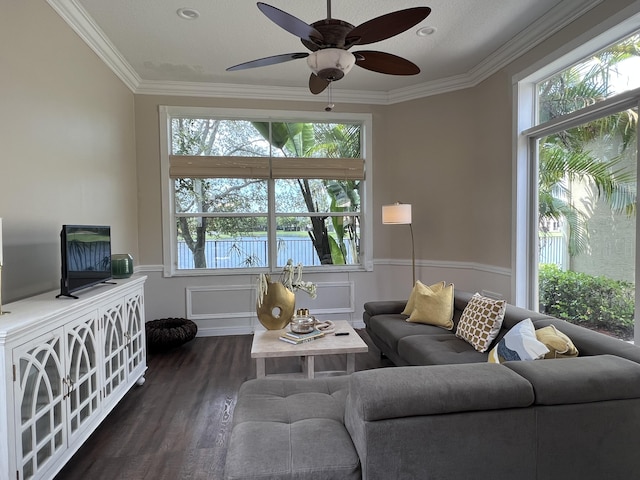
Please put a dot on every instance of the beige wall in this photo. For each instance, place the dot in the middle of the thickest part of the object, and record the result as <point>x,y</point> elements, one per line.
<point>445,161</point>
<point>76,141</point>
<point>68,146</point>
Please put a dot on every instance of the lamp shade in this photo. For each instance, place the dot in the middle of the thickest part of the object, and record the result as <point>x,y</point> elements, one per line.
<point>398,214</point>
<point>331,63</point>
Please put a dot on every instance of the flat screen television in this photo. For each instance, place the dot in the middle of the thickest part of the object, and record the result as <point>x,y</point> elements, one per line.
<point>86,257</point>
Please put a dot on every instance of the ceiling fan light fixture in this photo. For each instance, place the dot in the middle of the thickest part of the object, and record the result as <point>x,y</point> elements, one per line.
<point>331,64</point>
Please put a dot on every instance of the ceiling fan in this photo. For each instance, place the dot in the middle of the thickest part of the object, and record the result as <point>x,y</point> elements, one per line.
<point>330,39</point>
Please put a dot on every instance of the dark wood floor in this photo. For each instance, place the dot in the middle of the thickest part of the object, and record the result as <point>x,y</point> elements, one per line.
<point>176,426</point>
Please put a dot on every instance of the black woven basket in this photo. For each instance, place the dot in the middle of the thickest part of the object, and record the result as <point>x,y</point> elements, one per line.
<point>168,333</point>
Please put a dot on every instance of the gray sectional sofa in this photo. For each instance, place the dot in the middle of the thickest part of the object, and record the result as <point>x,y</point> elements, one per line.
<point>445,413</point>
<point>406,343</point>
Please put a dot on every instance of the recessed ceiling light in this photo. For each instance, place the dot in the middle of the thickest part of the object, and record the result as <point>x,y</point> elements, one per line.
<point>426,31</point>
<point>188,13</point>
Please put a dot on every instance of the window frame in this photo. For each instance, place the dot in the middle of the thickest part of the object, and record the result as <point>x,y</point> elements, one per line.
<point>526,131</point>
<point>169,232</point>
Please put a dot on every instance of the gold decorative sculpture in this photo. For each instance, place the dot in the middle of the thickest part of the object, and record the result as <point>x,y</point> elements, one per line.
<point>276,301</point>
<point>275,308</point>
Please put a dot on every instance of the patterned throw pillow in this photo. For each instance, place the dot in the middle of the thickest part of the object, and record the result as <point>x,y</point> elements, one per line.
<point>417,288</point>
<point>481,321</point>
<point>519,343</point>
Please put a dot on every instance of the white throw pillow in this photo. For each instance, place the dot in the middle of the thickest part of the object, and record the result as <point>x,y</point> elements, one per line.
<point>519,343</point>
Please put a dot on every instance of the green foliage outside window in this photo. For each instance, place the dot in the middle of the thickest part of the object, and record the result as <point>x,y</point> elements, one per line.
<point>596,302</point>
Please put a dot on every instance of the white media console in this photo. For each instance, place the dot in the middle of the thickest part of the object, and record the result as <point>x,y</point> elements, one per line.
<point>65,364</point>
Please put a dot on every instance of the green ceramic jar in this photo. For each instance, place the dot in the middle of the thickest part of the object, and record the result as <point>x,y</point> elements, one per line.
<point>121,265</point>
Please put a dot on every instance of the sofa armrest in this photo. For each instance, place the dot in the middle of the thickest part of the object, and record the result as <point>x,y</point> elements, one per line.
<point>580,380</point>
<point>384,307</point>
<point>436,389</point>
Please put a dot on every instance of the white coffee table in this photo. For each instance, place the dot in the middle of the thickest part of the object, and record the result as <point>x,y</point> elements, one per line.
<point>267,345</point>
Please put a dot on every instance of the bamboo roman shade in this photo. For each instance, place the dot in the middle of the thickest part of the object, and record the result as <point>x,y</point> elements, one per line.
<point>327,168</point>
<point>187,166</point>
<point>184,166</point>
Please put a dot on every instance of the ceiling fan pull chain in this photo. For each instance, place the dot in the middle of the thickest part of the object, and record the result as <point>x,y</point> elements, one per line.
<point>330,105</point>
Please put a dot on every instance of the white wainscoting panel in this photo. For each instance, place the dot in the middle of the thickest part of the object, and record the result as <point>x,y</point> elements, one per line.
<point>211,307</point>
<point>210,302</point>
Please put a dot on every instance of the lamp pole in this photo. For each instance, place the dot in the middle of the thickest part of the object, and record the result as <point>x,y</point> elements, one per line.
<point>413,255</point>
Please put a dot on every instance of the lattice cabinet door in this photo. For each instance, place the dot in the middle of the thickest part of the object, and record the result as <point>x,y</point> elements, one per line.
<point>136,354</point>
<point>40,390</point>
<point>83,398</point>
<point>115,341</point>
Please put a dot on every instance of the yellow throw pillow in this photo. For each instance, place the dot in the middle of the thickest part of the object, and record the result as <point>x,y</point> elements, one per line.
<point>434,307</point>
<point>559,345</point>
<point>420,287</point>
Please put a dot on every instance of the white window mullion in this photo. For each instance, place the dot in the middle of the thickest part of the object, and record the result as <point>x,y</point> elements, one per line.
<point>272,231</point>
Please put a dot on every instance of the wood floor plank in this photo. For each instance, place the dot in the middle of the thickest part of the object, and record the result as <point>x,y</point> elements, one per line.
<point>177,425</point>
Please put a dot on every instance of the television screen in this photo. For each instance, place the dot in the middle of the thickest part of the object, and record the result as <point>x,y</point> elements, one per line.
<point>86,257</point>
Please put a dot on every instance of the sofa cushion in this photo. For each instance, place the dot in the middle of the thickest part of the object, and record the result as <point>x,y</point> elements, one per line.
<point>434,307</point>
<point>288,428</point>
<point>519,343</point>
<point>418,288</point>
<point>559,345</point>
<point>443,349</point>
<point>580,379</point>
<point>391,328</point>
<point>481,321</point>
<point>288,400</point>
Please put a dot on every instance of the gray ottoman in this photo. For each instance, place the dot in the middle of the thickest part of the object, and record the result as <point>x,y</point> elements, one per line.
<point>291,429</point>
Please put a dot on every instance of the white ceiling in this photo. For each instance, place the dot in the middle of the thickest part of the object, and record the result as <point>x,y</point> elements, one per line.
<point>153,50</point>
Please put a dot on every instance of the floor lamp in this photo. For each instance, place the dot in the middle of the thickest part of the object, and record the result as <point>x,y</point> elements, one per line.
<point>400,214</point>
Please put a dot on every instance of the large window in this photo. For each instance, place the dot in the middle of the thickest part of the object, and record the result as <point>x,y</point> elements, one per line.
<point>577,260</point>
<point>253,189</point>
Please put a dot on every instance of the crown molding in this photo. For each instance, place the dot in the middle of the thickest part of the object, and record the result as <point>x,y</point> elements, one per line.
<point>81,22</point>
<point>554,20</point>
<point>256,92</point>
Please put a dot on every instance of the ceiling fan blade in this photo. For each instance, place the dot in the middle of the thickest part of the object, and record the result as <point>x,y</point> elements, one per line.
<point>382,62</point>
<point>263,62</point>
<point>290,23</point>
<point>386,26</point>
<point>316,84</point>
